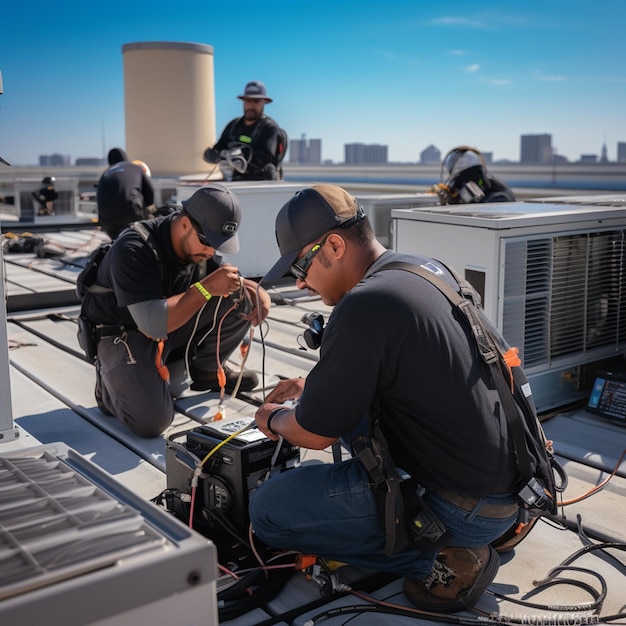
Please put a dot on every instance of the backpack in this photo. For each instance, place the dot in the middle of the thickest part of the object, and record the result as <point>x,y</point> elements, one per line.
<point>86,283</point>
<point>281,150</point>
<point>86,280</point>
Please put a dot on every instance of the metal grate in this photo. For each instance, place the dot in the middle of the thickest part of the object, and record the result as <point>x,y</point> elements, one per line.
<point>55,525</point>
<point>565,297</point>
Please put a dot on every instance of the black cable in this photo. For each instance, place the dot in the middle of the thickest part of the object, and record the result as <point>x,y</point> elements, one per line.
<point>236,605</point>
<point>582,533</point>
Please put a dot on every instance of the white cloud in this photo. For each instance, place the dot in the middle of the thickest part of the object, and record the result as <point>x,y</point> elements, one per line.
<point>459,21</point>
<point>553,78</point>
<point>472,68</point>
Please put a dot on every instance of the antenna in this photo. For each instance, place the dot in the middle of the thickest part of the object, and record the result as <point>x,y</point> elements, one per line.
<point>1,92</point>
<point>103,139</point>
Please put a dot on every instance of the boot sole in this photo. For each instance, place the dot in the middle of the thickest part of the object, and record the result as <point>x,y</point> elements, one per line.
<point>466,599</point>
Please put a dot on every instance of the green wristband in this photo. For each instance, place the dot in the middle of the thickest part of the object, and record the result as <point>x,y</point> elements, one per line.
<point>200,287</point>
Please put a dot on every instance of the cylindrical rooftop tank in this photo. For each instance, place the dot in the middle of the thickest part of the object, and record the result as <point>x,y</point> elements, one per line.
<point>169,99</point>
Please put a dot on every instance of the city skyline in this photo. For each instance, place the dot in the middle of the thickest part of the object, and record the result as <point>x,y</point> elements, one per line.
<point>401,75</point>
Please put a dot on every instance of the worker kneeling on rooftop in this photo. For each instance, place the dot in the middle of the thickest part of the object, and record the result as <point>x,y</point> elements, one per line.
<point>165,311</point>
<point>401,383</point>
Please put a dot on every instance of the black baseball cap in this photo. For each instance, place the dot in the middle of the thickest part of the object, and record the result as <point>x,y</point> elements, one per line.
<point>216,209</point>
<point>306,217</point>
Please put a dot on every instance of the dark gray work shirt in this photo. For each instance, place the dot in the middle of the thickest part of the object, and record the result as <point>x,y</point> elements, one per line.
<point>397,338</point>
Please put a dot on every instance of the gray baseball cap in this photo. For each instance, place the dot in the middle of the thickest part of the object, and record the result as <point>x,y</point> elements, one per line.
<point>216,210</point>
<point>306,217</point>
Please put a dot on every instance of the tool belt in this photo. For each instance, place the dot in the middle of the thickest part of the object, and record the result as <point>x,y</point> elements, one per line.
<point>89,334</point>
<point>488,509</point>
<point>408,523</point>
<point>102,330</point>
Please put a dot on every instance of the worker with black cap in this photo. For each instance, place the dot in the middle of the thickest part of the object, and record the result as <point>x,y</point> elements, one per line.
<point>164,303</point>
<point>259,142</point>
<point>400,380</point>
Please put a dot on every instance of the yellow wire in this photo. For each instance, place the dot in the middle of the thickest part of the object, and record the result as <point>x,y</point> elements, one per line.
<point>222,443</point>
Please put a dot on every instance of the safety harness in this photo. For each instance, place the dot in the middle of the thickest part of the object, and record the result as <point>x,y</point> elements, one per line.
<point>407,521</point>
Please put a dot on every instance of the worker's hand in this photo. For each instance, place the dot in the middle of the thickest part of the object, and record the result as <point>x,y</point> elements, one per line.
<point>223,281</point>
<point>261,416</point>
<point>285,390</point>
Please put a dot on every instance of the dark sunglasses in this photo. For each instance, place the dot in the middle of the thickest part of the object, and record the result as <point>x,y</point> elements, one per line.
<point>300,268</point>
<point>201,238</point>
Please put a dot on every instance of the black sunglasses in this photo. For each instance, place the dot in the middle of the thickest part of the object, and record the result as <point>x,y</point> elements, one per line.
<point>300,268</point>
<point>201,238</point>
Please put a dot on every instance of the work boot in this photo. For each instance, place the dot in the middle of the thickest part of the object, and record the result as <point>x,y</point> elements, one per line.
<point>203,381</point>
<point>457,580</point>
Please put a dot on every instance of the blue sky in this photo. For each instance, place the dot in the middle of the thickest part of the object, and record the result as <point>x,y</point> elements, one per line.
<point>405,73</point>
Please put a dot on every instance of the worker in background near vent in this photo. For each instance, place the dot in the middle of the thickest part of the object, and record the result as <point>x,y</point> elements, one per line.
<point>468,181</point>
<point>46,196</point>
<point>256,137</point>
<point>170,285</point>
<point>124,193</point>
<point>392,348</point>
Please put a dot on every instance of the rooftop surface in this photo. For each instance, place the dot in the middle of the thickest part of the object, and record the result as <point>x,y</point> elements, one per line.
<point>51,387</point>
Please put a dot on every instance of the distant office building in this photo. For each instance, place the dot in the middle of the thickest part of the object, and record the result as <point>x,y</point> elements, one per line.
<point>303,151</point>
<point>430,155</point>
<point>90,161</point>
<point>488,156</point>
<point>365,154</point>
<point>536,149</point>
<point>588,158</point>
<point>58,160</point>
<point>621,151</point>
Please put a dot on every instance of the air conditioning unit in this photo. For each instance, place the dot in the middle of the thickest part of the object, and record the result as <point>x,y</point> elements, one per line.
<point>552,278</point>
<point>77,548</point>
<point>378,207</point>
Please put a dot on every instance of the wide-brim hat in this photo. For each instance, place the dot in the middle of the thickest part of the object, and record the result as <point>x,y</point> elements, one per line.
<point>255,90</point>
<point>306,217</point>
<point>216,209</point>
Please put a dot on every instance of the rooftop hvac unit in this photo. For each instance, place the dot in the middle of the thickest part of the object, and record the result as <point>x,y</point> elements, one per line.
<point>378,207</point>
<point>27,206</point>
<point>260,203</point>
<point>77,548</point>
<point>552,278</point>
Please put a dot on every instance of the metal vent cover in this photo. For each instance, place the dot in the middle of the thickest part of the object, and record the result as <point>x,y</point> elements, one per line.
<point>565,297</point>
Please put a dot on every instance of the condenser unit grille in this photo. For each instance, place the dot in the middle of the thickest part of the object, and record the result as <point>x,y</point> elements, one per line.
<point>565,296</point>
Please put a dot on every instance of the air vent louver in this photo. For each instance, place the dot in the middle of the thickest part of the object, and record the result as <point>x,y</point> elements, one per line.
<point>569,292</point>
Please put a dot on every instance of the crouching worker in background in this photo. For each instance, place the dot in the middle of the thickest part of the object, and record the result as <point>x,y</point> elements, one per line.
<point>400,381</point>
<point>159,320</point>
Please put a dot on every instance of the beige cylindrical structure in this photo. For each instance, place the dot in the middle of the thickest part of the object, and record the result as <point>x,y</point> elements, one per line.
<point>169,99</point>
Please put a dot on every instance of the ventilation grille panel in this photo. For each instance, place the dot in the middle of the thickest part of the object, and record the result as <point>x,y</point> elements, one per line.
<point>565,297</point>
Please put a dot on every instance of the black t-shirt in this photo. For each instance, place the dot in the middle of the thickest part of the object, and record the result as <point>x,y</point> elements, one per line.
<point>123,183</point>
<point>395,337</point>
<point>131,270</point>
<point>262,137</point>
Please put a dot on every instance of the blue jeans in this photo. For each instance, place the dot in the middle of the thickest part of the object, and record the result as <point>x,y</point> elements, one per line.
<point>329,510</point>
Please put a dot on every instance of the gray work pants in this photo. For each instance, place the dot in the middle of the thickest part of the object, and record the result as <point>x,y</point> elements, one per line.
<point>128,384</point>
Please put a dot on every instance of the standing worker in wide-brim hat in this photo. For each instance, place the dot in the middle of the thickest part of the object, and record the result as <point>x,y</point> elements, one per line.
<point>258,140</point>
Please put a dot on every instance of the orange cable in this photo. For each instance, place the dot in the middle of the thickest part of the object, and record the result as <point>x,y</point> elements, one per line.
<point>597,487</point>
